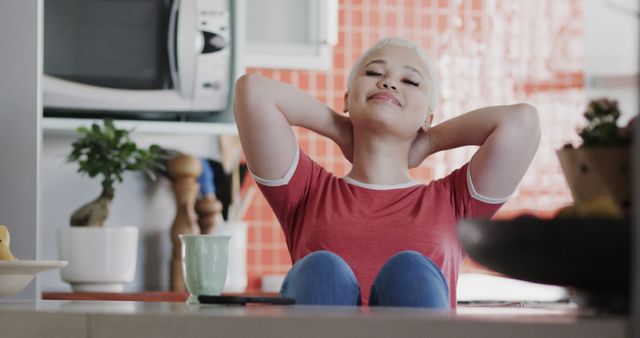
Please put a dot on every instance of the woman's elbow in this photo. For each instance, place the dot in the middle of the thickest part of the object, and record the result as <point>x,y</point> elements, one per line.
<point>246,88</point>
<point>527,119</point>
<point>245,85</point>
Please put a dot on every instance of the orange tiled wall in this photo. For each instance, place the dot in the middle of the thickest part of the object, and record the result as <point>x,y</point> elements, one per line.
<point>487,52</point>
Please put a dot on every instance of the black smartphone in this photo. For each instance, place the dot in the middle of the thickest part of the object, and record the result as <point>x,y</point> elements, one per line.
<point>243,300</point>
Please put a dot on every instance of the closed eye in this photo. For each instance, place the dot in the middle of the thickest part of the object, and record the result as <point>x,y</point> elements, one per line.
<point>411,82</point>
<point>372,73</point>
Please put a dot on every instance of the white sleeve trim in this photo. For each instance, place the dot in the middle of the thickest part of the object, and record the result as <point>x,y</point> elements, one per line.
<point>479,197</point>
<point>286,178</point>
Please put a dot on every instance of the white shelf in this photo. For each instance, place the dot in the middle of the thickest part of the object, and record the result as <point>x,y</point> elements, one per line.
<point>52,126</point>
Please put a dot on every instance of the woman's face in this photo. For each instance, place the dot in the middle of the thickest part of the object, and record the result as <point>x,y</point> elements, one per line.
<point>390,92</point>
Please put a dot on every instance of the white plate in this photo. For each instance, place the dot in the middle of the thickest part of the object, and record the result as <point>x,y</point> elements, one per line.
<point>16,275</point>
<point>27,267</point>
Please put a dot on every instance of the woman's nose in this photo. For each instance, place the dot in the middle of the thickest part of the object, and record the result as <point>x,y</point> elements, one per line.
<point>386,84</point>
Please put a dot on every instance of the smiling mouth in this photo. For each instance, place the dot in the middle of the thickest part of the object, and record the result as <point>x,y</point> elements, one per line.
<point>385,98</point>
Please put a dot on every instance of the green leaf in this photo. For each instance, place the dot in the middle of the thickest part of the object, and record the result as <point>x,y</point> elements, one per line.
<point>602,129</point>
<point>109,152</point>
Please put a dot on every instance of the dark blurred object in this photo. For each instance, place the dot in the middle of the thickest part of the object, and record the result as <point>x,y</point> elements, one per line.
<point>224,184</point>
<point>590,255</point>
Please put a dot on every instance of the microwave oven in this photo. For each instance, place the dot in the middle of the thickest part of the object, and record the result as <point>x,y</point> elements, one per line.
<point>160,58</point>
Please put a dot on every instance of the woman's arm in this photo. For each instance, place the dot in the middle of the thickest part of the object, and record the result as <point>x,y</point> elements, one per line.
<point>265,110</point>
<point>508,137</point>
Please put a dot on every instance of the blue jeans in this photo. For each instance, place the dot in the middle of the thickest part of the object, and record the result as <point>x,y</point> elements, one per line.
<point>406,279</point>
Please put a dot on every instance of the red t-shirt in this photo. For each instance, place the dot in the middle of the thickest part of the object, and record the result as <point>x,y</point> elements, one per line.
<point>367,224</point>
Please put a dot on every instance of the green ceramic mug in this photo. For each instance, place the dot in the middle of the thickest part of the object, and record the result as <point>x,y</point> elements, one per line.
<point>204,264</point>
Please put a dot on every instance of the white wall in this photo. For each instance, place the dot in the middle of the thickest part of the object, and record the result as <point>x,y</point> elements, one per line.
<point>20,111</point>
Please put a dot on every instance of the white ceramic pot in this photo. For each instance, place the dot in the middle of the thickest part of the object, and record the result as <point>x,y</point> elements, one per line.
<point>237,265</point>
<point>101,259</point>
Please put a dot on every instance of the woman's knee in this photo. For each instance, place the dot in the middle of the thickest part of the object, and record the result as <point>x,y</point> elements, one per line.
<point>322,277</point>
<point>410,279</point>
<point>411,259</point>
<point>323,256</point>
<point>325,261</point>
<point>409,256</point>
<point>323,266</point>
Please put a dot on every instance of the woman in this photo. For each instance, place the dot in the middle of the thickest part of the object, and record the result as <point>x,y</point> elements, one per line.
<point>376,236</point>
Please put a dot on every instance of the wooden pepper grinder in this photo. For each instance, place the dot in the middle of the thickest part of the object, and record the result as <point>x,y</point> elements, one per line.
<point>184,170</point>
<point>209,210</point>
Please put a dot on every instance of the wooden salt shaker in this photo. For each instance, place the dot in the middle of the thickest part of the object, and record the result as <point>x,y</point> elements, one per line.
<point>184,170</point>
<point>209,210</point>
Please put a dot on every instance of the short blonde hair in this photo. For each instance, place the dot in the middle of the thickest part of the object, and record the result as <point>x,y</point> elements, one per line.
<point>400,42</point>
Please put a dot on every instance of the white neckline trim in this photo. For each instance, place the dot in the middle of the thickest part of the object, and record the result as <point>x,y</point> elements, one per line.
<point>380,186</point>
<point>287,176</point>
<point>478,196</point>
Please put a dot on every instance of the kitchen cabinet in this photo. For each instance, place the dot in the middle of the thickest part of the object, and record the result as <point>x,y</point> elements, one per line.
<point>290,34</point>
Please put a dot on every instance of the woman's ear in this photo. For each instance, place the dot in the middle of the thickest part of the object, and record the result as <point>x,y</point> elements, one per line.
<point>346,102</point>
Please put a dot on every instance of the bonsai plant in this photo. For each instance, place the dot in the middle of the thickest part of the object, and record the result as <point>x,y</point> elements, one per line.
<point>598,171</point>
<point>108,152</point>
<point>103,259</point>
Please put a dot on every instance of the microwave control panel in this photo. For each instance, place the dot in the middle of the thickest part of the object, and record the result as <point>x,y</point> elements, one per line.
<point>213,63</point>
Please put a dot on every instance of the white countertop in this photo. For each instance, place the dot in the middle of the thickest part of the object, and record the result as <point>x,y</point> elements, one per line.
<point>136,319</point>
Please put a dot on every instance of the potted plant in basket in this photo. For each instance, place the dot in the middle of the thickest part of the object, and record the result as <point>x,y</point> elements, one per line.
<point>598,171</point>
<point>103,259</point>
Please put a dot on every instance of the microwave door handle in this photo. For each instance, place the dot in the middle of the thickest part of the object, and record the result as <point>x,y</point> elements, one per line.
<point>189,43</point>
<point>171,47</point>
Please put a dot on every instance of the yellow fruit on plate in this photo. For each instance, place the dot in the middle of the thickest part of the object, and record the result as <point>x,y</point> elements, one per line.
<point>4,235</point>
<point>5,240</point>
